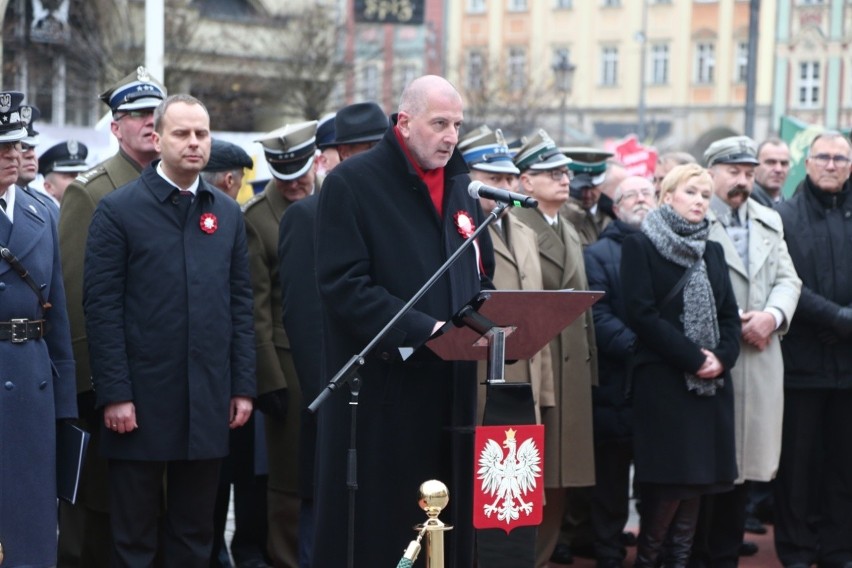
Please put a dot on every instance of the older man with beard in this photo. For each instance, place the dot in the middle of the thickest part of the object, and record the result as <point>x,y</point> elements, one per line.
<point>612,412</point>
<point>767,291</point>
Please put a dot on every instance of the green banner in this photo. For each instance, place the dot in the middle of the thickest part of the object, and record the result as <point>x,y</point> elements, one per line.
<point>798,135</point>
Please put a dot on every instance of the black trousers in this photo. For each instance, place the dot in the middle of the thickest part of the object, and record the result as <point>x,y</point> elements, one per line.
<point>187,525</point>
<point>813,489</point>
<point>610,507</point>
<point>250,524</point>
<point>719,532</point>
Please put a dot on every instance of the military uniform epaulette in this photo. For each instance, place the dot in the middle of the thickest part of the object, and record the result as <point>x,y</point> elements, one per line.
<point>34,194</point>
<point>88,176</point>
<point>258,197</point>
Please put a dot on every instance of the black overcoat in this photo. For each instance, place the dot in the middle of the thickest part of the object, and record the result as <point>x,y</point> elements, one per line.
<point>379,238</point>
<point>169,318</point>
<point>302,319</point>
<point>680,438</point>
<point>818,232</point>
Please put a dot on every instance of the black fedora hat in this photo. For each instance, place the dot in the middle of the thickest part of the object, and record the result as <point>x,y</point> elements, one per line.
<point>360,122</point>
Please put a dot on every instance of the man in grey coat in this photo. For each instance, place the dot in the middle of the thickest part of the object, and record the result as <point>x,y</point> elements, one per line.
<point>767,291</point>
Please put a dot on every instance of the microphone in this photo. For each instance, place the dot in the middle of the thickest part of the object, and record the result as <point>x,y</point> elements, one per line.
<point>477,189</point>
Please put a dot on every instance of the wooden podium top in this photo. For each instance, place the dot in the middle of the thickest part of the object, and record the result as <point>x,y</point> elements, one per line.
<point>534,318</point>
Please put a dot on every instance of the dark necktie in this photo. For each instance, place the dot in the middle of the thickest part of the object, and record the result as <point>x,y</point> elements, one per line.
<point>5,223</point>
<point>184,202</point>
<point>735,218</point>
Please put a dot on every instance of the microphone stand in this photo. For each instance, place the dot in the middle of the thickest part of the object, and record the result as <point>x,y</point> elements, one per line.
<point>348,374</point>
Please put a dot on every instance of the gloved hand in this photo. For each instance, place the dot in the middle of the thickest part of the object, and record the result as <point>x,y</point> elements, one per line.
<point>274,403</point>
<point>842,322</point>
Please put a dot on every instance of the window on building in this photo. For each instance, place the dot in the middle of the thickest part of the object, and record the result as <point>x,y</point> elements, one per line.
<point>475,6</point>
<point>563,4</point>
<point>370,86</point>
<point>741,62</point>
<point>809,83</point>
<point>705,62</point>
<point>517,69</point>
<point>517,5</point>
<point>406,73</point>
<point>610,3</point>
<point>810,2</point>
<point>475,71</point>
<point>659,64</point>
<point>609,65</point>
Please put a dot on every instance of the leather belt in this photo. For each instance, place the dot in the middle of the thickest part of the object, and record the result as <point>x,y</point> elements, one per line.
<point>21,330</point>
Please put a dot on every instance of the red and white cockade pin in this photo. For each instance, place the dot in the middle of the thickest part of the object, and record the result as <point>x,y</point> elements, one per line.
<point>464,223</point>
<point>209,223</point>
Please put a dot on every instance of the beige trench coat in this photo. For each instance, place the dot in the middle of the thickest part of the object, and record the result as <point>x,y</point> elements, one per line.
<point>569,448</point>
<point>517,267</point>
<point>770,280</point>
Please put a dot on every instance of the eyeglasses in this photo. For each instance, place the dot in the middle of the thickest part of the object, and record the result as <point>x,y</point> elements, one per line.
<point>822,160</point>
<point>629,195</point>
<point>142,113</point>
<point>26,147</point>
<point>556,175</point>
<point>9,146</point>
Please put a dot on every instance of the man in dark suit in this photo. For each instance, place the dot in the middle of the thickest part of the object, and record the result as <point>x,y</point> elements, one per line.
<point>357,128</point>
<point>169,317</point>
<point>387,219</point>
<point>84,528</point>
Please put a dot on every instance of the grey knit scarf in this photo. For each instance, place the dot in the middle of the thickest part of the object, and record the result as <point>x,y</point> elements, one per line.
<point>683,243</point>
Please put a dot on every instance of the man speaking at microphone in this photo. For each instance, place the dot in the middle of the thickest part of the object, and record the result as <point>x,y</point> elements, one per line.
<point>388,219</point>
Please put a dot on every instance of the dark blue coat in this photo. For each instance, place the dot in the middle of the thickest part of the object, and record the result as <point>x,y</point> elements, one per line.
<point>612,411</point>
<point>36,388</point>
<point>169,318</point>
<point>379,239</point>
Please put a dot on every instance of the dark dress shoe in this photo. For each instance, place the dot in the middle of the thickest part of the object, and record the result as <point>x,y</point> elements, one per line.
<point>754,526</point>
<point>562,555</point>
<point>748,548</point>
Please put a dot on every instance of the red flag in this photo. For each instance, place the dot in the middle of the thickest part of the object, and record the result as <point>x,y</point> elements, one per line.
<point>508,488</point>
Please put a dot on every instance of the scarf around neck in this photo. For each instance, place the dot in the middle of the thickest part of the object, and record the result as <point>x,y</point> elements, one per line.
<point>683,243</point>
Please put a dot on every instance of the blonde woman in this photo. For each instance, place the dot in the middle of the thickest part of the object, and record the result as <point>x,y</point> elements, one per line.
<point>681,305</point>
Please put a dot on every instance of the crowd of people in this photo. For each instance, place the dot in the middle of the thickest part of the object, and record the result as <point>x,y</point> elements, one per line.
<point>188,335</point>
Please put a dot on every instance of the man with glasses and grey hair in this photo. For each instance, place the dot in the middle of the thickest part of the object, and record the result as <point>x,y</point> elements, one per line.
<point>813,501</point>
<point>612,411</point>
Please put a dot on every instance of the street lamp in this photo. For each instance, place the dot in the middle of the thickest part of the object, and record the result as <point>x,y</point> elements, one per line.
<point>563,72</point>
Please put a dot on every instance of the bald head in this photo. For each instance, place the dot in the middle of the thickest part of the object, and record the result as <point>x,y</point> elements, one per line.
<point>430,115</point>
<point>417,95</point>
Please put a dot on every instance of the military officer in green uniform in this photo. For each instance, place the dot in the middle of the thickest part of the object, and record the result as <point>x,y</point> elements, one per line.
<point>290,152</point>
<point>84,536</point>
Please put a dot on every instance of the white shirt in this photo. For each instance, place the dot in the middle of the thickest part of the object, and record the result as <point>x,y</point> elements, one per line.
<point>9,196</point>
<point>192,188</point>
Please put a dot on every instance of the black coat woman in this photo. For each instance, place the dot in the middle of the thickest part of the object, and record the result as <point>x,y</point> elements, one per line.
<point>680,304</point>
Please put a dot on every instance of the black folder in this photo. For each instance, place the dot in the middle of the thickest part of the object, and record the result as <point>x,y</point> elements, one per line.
<point>71,444</point>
